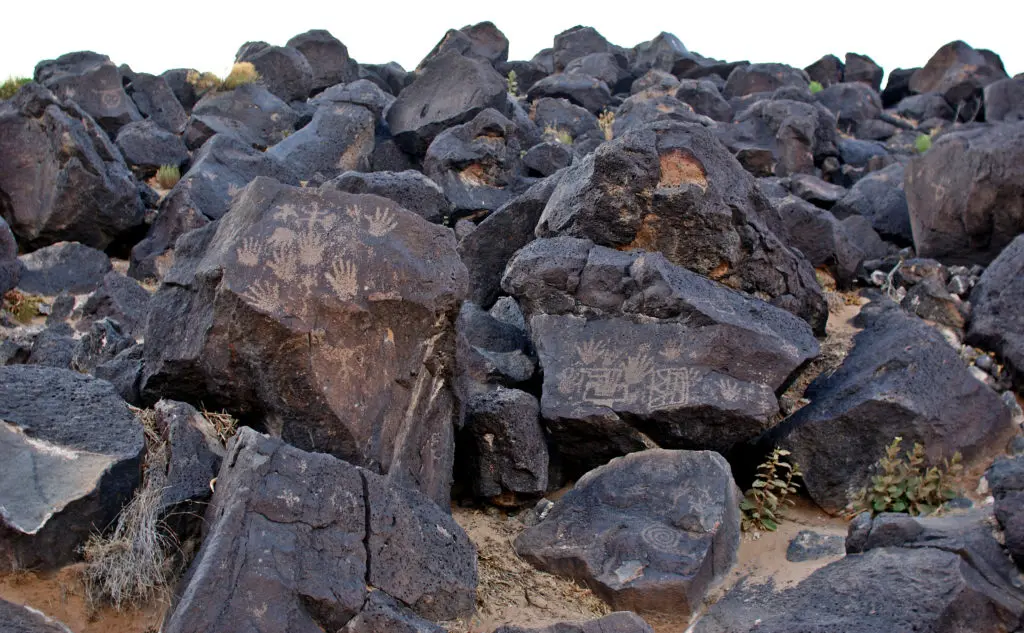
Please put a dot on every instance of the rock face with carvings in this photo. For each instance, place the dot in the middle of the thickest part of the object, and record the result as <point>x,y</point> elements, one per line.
<point>635,349</point>
<point>328,315</point>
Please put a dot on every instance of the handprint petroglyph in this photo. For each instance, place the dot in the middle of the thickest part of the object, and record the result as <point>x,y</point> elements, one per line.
<point>249,252</point>
<point>381,222</point>
<point>343,280</point>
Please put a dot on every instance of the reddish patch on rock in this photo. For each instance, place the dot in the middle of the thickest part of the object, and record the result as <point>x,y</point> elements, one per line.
<point>680,167</point>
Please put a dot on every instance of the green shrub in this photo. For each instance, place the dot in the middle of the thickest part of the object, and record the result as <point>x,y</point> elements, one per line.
<point>762,505</point>
<point>168,176</point>
<point>906,484</point>
<point>10,87</point>
<point>241,73</point>
<point>203,82</point>
<point>922,143</point>
<point>816,87</point>
<point>513,84</point>
<point>606,121</point>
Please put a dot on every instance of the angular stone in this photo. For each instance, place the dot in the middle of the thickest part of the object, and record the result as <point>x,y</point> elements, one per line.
<point>966,194</point>
<point>329,314</point>
<point>93,82</point>
<point>583,90</point>
<point>63,178</point>
<point>339,138</point>
<point>1004,100</point>
<point>754,78</point>
<point>72,455</point>
<point>881,198</point>
<point>410,189</point>
<point>250,112</point>
<point>23,619</point>
<point>1006,478</point>
<point>900,379</point>
<point>102,342</point>
<point>328,58</point>
<point>649,532</point>
<point>997,322</point>
<point>146,147</point>
<point>157,102</point>
<point>862,68</point>
<point>673,188</point>
<point>63,267</point>
<point>121,298</point>
<point>957,71</point>
<point>618,622</point>
<point>451,90</point>
<point>283,70</point>
<point>10,267</point>
<point>295,539</point>
<point>704,97</point>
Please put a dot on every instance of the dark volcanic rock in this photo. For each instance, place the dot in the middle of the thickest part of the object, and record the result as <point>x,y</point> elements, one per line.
<point>72,455</point>
<point>1004,100</point>
<point>780,137</point>
<point>63,267</point>
<point>562,115</point>
<point>577,42</point>
<point>121,298</point>
<point>673,188</point>
<point>618,622</point>
<point>958,72</point>
<point>20,619</point>
<point>880,198</point>
<point>383,614</point>
<point>822,239</point>
<point>754,78</point>
<point>1006,478</point>
<point>328,313</point>
<point>863,69</point>
<point>966,194</point>
<point>897,87</point>
<point>604,67</point>
<point>451,90</point>
<point>327,57</point>
<point>546,158</point>
<point>826,71</point>
<point>146,146</point>
<point>997,320</point>
<point>124,371</point>
<point>10,267</point>
<point>583,90</point>
<point>101,343</point>
<point>651,532</point>
<point>53,347</point>
<point>195,452</point>
<point>900,379</point>
<point>283,70</point>
<point>488,249</point>
<point>339,138</point>
<point>157,102</point>
<point>62,178</point>
<point>476,163</point>
<point>923,107</point>
<point>219,172</point>
<point>362,92</point>
<point>294,540</point>
<point>809,545</point>
<point>684,360</point>
<point>704,97</point>
<point>410,189</point>
<point>507,454</point>
<point>93,82</point>
<point>250,112</point>
<point>851,103</point>
<point>482,41</point>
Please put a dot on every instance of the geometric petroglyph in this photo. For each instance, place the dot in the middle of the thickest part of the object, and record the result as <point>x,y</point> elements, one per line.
<point>661,537</point>
<point>672,386</point>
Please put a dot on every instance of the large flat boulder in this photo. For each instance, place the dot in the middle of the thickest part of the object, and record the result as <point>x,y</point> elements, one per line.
<point>72,454</point>
<point>966,194</point>
<point>92,81</point>
<point>900,379</point>
<point>649,532</point>
<point>330,315</point>
<point>298,541</point>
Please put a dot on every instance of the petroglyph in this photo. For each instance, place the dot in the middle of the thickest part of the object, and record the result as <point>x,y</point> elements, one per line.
<point>249,252</point>
<point>381,222</point>
<point>671,351</point>
<point>591,351</point>
<point>112,97</point>
<point>264,295</point>
<point>343,279</point>
<point>731,389</point>
<point>672,386</point>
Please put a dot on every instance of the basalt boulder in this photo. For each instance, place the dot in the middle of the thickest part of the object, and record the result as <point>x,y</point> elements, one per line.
<point>966,194</point>
<point>330,316</point>
<point>328,59</point>
<point>997,322</point>
<point>636,349</point>
<point>10,267</point>
<point>72,454</point>
<point>450,91</point>
<point>147,146</point>
<point>93,82</point>
<point>339,138</point>
<point>673,188</point>
<point>754,78</point>
<point>250,112</point>
<point>298,541</point>
<point>958,72</point>
<point>900,379</point>
<point>410,189</point>
<point>283,70</point>
<point>649,532</point>
<point>61,176</point>
<point>157,102</point>
<point>63,267</point>
<point>880,197</point>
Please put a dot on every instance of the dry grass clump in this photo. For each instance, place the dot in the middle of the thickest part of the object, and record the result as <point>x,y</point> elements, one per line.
<point>135,564</point>
<point>10,87</point>
<point>22,306</point>
<point>552,133</point>
<point>241,73</point>
<point>203,82</point>
<point>224,423</point>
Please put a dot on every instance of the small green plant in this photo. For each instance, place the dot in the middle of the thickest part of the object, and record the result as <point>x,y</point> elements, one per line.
<point>168,176</point>
<point>10,87</point>
<point>816,87</point>
<point>922,143</point>
<point>904,483</point>
<point>513,84</point>
<point>606,121</point>
<point>762,505</point>
<point>553,133</point>
<point>241,73</point>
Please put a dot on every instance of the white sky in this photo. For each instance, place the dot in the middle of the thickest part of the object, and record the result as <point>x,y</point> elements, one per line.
<point>154,36</point>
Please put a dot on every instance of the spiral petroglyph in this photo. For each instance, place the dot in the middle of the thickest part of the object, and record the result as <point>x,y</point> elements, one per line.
<point>660,537</point>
